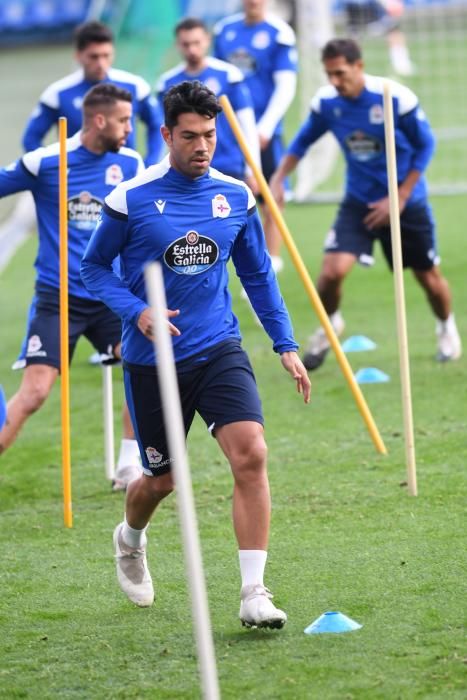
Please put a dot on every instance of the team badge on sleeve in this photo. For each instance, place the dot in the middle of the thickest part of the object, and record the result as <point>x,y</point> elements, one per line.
<point>220,206</point>
<point>113,175</point>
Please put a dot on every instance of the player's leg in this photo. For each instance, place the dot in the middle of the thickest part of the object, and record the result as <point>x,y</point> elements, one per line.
<point>236,424</point>
<point>419,252</point>
<point>270,158</point>
<point>104,332</point>
<point>20,361</point>
<point>347,242</point>
<point>36,384</point>
<point>144,494</point>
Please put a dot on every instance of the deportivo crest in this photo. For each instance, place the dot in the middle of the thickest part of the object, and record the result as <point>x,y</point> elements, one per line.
<point>191,254</point>
<point>154,457</point>
<point>113,175</point>
<point>34,344</point>
<point>261,40</point>
<point>213,84</point>
<point>84,210</point>
<point>220,206</point>
<point>376,114</point>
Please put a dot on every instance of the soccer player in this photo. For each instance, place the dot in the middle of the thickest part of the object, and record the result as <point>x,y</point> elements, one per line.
<point>222,78</point>
<point>352,109</point>
<point>193,219</point>
<point>94,53</point>
<point>263,47</point>
<point>97,162</point>
<point>382,17</point>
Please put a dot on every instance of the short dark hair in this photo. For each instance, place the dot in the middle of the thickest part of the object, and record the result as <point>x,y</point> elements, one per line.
<point>189,96</point>
<point>105,95</point>
<point>91,33</point>
<point>347,48</point>
<point>189,23</point>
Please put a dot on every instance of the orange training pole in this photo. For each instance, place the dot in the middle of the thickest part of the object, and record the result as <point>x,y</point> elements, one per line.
<point>305,277</point>
<point>64,334</point>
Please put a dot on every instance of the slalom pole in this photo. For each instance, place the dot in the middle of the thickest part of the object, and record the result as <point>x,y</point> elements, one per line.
<point>109,441</point>
<point>399,287</point>
<point>305,277</point>
<point>64,332</point>
<point>175,432</point>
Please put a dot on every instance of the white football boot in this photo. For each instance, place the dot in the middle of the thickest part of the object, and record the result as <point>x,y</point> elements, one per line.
<point>257,609</point>
<point>449,342</point>
<point>132,571</point>
<point>318,344</point>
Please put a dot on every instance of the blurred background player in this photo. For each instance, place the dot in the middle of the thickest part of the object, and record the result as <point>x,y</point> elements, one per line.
<point>97,162</point>
<point>352,109</point>
<point>381,18</point>
<point>94,53</point>
<point>262,46</point>
<point>222,78</point>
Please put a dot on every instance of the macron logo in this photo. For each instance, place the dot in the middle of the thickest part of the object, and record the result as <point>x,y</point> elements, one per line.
<point>160,204</point>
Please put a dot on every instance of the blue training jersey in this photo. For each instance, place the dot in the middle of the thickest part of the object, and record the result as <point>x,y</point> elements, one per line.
<point>90,178</point>
<point>193,228</point>
<point>358,125</point>
<point>64,98</point>
<point>223,79</point>
<point>259,50</point>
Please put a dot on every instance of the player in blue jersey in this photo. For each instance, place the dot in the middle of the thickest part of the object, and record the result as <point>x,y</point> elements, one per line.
<point>97,162</point>
<point>222,78</point>
<point>193,219</point>
<point>263,47</point>
<point>352,109</point>
<point>94,53</point>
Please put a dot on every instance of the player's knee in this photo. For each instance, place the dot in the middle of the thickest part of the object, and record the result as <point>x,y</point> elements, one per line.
<point>161,486</point>
<point>250,459</point>
<point>34,396</point>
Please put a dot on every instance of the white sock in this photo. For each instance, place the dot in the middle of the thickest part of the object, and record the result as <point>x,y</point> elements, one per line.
<point>252,565</point>
<point>132,537</point>
<point>129,453</point>
<point>277,263</point>
<point>449,324</point>
<point>336,319</point>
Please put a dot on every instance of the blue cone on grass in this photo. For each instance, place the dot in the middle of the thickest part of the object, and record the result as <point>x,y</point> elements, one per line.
<point>358,343</point>
<point>2,408</point>
<point>332,622</point>
<point>371,375</point>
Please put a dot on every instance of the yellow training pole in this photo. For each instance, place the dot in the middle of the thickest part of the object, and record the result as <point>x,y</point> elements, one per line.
<point>305,277</point>
<point>64,334</point>
<point>399,287</point>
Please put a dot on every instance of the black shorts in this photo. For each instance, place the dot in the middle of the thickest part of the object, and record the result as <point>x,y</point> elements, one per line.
<point>350,235</point>
<point>92,319</point>
<point>221,388</point>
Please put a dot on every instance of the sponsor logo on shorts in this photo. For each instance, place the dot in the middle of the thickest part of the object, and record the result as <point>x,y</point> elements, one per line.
<point>330,241</point>
<point>154,457</point>
<point>84,210</point>
<point>191,254</point>
<point>363,147</point>
<point>34,347</point>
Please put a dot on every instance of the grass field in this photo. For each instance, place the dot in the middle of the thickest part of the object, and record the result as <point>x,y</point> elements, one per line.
<point>345,535</point>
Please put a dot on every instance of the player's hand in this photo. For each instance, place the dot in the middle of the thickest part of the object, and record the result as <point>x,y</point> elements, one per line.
<point>293,364</point>
<point>378,215</point>
<point>145,324</point>
<point>276,185</point>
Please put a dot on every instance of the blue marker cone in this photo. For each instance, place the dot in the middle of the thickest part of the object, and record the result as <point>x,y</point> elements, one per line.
<point>358,343</point>
<point>332,622</point>
<point>2,408</point>
<point>371,375</point>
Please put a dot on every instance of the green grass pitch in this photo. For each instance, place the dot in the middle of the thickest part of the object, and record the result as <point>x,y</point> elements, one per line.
<point>345,534</point>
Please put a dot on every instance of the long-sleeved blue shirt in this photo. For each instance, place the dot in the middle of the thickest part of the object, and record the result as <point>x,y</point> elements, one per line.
<point>192,227</point>
<point>64,98</point>
<point>358,125</point>
<point>90,178</point>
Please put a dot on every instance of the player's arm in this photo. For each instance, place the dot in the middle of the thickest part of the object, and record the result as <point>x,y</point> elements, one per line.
<point>240,98</point>
<point>253,266</point>
<point>19,176</point>
<point>43,118</point>
<point>150,113</point>
<point>311,130</point>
